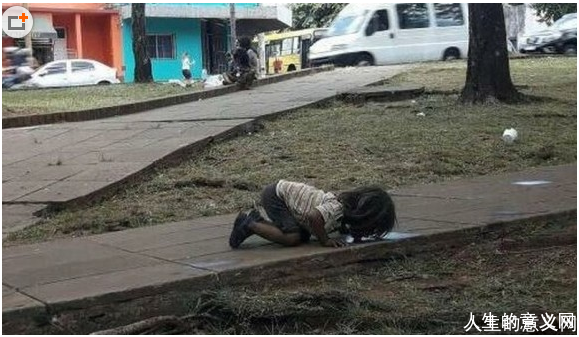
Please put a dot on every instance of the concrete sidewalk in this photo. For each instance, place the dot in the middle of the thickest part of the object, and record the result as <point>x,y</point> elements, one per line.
<point>100,274</point>
<point>64,163</point>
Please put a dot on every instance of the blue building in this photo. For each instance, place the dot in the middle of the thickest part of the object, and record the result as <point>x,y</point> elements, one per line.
<point>202,30</point>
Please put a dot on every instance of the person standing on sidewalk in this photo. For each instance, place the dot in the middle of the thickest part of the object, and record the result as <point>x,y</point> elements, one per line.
<point>186,64</point>
<point>247,61</point>
<point>245,43</point>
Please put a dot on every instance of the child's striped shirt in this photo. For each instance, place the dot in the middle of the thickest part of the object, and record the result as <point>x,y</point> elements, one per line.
<point>301,199</point>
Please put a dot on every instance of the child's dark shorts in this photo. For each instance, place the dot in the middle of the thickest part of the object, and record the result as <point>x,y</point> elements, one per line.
<point>279,213</point>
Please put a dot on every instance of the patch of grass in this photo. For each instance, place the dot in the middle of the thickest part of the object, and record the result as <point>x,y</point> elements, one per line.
<point>534,76</point>
<point>43,101</point>
<point>341,147</point>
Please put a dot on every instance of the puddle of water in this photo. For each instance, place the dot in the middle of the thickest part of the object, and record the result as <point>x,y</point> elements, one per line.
<point>531,182</point>
<point>399,236</point>
<point>392,236</point>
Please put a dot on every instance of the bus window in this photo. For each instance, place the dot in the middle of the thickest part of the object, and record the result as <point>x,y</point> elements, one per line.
<point>287,45</point>
<point>274,48</point>
<point>296,47</point>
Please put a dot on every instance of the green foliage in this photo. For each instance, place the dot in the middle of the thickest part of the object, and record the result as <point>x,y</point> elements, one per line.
<point>314,15</point>
<point>551,12</point>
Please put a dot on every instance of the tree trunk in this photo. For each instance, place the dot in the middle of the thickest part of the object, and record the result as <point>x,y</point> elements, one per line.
<point>488,75</point>
<point>143,70</point>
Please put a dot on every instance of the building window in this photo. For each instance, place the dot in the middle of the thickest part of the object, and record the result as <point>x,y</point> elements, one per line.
<point>60,33</point>
<point>161,46</point>
<point>448,15</point>
<point>412,16</point>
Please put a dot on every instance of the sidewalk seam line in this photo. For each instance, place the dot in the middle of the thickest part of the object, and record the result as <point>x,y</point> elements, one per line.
<point>19,291</point>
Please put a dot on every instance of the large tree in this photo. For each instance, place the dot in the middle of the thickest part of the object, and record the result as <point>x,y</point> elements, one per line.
<point>551,12</point>
<point>488,75</point>
<point>143,69</point>
<point>314,15</point>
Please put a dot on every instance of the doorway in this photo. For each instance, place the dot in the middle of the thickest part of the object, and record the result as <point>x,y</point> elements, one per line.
<point>214,46</point>
<point>60,50</point>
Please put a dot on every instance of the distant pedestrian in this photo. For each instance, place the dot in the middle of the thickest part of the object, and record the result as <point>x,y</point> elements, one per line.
<point>246,64</point>
<point>186,65</point>
<point>296,211</point>
<point>253,59</point>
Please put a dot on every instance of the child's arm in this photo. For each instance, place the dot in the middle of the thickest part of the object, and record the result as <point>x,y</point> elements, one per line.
<point>317,224</point>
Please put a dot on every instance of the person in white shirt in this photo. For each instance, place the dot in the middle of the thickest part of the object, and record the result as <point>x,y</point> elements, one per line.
<point>186,64</point>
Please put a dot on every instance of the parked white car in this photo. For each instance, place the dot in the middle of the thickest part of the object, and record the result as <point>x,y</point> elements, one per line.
<point>75,72</point>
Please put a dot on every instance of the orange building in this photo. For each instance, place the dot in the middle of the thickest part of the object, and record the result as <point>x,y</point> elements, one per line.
<point>73,30</point>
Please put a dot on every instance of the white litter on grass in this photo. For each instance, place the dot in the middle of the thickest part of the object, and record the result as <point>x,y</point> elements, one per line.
<point>531,182</point>
<point>510,135</point>
<point>421,114</point>
<point>214,81</point>
<point>178,82</point>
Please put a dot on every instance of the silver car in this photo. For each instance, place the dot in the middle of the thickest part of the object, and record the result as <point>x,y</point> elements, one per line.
<point>560,38</point>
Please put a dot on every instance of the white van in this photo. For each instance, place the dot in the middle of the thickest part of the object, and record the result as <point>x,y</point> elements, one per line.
<point>377,34</point>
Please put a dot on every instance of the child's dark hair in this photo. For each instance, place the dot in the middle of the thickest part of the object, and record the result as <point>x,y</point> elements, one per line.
<point>369,211</point>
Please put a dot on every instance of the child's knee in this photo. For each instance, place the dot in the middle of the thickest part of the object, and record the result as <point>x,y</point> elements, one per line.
<point>292,240</point>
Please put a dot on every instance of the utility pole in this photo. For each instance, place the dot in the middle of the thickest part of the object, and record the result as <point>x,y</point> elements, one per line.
<point>262,60</point>
<point>28,37</point>
<point>233,33</point>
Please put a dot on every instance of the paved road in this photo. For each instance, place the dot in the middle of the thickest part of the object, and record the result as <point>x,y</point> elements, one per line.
<point>70,161</point>
<point>110,268</point>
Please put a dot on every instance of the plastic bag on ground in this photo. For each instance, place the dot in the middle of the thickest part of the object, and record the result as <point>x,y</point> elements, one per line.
<point>214,81</point>
<point>178,82</point>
